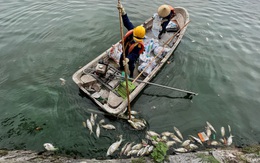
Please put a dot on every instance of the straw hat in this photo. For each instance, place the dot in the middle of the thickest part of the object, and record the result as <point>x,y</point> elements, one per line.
<point>164,10</point>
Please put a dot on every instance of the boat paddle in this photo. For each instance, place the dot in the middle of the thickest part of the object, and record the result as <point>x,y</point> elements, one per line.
<point>163,86</point>
<point>124,58</point>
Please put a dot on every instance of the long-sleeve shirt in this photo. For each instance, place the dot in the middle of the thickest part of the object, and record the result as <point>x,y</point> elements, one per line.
<point>134,54</point>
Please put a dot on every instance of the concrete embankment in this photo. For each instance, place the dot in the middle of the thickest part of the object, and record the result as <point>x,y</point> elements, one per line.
<point>248,154</point>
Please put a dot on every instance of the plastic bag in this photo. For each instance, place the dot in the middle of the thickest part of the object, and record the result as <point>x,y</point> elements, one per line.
<point>156,25</point>
<point>115,52</point>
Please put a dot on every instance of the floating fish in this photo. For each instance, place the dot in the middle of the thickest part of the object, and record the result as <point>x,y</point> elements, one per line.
<point>185,143</point>
<point>92,119</point>
<point>208,131</point>
<point>166,133</point>
<point>193,146</point>
<point>229,129</point>
<point>124,148</point>
<point>175,138</point>
<point>180,150</point>
<point>211,127</point>
<point>178,132</point>
<point>221,36</point>
<point>137,146</point>
<point>89,125</point>
<point>152,133</point>
<point>214,143</point>
<point>150,149</point>
<point>128,148</point>
<point>63,81</point>
<point>49,147</point>
<point>134,125</point>
<point>101,121</point>
<point>222,129</point>
<point>133,112</point>
<point>84,124</point>
<point>196,139</point>
<point>170,143</point>
<point>109,127</point>
<point>114,146</point>
<point>98,130</point>
<point>207,39</point>
<point>140,151</point>
<point>229,140</point>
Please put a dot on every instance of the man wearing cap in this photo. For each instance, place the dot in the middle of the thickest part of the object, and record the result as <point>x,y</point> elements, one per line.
<point>166,12</point>
<point>133,42</point>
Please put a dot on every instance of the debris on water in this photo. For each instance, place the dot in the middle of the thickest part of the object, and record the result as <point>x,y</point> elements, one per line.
<point>208,24</point>
<point>221,36</point>
<point>193,41</point>
<point>63,81</point>
<point>38,128</point>
<point>207,39</point>
<point>153,107</point>
<point>168,76</point>
<point>168,62</point>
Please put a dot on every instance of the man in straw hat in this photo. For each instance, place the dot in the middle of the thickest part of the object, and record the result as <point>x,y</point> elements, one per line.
<point>133,42</point>
<point>166,12</point>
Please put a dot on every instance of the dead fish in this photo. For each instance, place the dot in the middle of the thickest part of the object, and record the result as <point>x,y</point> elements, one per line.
<point>133,112</point>
<point>124,148</point>
<point>134,125</point>
<point>98,130</point>
<point>229,140</point>
<point>128,148</point>
<point>166,133</point>
<point>222,129</point>
<point>208,131</point>
<point>214,143</point>
<point>145,150</point>
<point>211,127</point>
<point>101,121</point>
<point>175,138</point>
<point>95,116</point>
<point>185,143</point>
<point>89,125</point>
<point>196,139</point>
<point>92,119</point>
<point>63,81</point>
<point>84,124</point>
<point>193,146</point>
<point>222,141</point>
<point>49,147</point>
<point>137,146</point>
<point>178,132</point>
<point>180,150</point>
<point>150,149</point>
<point>140,152</point>
<point>109,127</point>
<point>152,133</point>
<point>114,146</point>
<point>229,129</point>
<point>164,138</point>
<point>170,143</point>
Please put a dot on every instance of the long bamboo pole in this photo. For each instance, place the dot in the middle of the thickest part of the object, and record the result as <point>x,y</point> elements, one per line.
<point>165,44</point>
<point>125,67</point>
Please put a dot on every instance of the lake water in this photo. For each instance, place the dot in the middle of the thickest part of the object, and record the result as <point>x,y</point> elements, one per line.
<point>42,41</point>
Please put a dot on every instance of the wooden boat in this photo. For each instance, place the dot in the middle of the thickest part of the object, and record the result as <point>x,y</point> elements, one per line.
<point>100,80</point>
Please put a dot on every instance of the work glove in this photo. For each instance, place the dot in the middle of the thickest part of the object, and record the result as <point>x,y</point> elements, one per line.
<point>125,61</point>
<point>120,7</point>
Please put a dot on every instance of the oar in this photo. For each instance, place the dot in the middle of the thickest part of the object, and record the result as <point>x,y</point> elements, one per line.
<point>122,39</point>
<point>165,44</point>
<point>163,86</point>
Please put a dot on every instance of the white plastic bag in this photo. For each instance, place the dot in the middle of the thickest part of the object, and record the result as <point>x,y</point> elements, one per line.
<point>115,52</point>
<point>156,25</point>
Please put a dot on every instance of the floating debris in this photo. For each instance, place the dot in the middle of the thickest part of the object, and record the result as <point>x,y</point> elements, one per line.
<point>63,81</point>
<point>49,147</point>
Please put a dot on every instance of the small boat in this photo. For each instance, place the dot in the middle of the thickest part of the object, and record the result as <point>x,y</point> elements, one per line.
<point>103,81</point>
